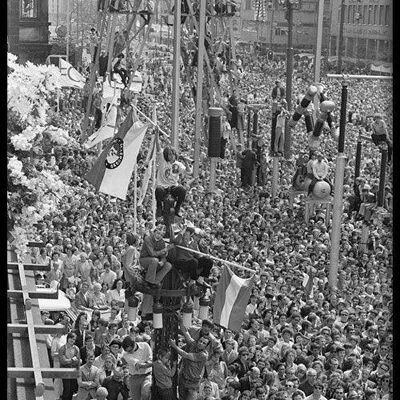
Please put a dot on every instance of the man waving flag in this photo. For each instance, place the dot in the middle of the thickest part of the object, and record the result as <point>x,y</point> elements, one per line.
<point>112,171</point>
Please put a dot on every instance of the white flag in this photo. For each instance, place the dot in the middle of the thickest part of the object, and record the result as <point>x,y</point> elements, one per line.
<point>106,130</point>
<point>70,77</point>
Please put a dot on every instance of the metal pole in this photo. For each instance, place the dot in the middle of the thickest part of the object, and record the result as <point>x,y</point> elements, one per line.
<point>340,48</point>
<point>82,29</point>
<point>338,197</point>
<point>248,127</point>
<point>382,178</point>
<point>357,167</point>
<point>384,77</point>
<point>199,89</point>
<point>68,28</point>
<point>289,75</point>
<point>275,175</point>
<point>175,76</point>
<point>317,64</point>
<point>135,199</point>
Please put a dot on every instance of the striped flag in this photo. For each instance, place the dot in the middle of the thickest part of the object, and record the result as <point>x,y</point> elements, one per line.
<point>308,283</point>
<point>106,130</point>
<point>70,77</point>
<point>113,170</point>
<point>231,299</point>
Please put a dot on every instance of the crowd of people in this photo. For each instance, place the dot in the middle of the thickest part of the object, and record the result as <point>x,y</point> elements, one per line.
<point>294,343</point>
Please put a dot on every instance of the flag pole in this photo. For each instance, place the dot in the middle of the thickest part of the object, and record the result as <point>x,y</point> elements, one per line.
<point>153,172</point>
<point>135,198</point>
<point>151,121</point>
<point>216,258</point>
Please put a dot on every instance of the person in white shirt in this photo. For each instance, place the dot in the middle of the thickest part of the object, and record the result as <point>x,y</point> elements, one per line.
<point>138,356</point>
<point>320,170</point>
<point>168,173</point>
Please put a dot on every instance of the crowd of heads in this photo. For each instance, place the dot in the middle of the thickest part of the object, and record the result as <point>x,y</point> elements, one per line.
<point>292,343</point>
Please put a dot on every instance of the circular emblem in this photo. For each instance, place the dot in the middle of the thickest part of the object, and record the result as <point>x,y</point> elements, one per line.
<point>115,154</point>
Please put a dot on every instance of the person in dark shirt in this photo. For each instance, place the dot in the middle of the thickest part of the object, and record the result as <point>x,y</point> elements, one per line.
<point>153,255</point>
<point>115,385</point>
<point>308,385</point>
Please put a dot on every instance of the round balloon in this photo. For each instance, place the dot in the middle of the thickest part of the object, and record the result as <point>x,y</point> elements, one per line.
<point>321,190</point>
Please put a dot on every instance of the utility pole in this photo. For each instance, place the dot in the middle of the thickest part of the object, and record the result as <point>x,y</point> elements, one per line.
<point>199,89</point>
<point>338,197</point>
<point>68,27</point>
<point>176,76</point>
<point>317,61</point>
<point>289,75</point>
<point>340,44</point>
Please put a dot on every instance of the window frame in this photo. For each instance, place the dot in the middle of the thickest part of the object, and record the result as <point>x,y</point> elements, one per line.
<point>35,10</point>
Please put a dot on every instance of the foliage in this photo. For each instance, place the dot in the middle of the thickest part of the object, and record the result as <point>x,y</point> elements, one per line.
<point>34,189</point>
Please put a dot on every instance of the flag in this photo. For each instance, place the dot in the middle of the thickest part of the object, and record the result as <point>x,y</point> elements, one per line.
<point>231,299</point>
<point>70,76</point>
<point>308,283</point>
<point>113,170</point>
<point>106,130</point>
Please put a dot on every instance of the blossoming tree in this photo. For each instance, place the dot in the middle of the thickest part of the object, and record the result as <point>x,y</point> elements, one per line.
<point>34,187</point>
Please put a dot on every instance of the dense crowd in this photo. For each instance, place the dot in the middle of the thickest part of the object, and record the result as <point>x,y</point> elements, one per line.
<point>294,344</point>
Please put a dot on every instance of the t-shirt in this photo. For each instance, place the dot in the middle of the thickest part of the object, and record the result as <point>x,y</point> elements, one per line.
<point>168,173</point>
<point>192,371</point>
<point>142,354</point>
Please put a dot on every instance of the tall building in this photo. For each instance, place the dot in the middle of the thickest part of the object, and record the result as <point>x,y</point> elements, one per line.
<point>367,30</point>
<point>264,22</point>
<point>28,29</point>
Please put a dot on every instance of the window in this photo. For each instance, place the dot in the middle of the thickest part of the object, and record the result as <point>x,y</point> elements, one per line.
<point>365,15</point>
<point>376,15</point>
<point>369,15</point>
<point>387,15</point>
<point>381,15</point>
<point>29,8</point>
<point>348,14</point>
<point>248,4</point>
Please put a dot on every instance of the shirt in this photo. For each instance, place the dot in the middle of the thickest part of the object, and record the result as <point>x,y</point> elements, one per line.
<point>151,247</point>
<point>320,169</point>
<point>162,375</point>
<point>168,173</point>
<point>142,354</point>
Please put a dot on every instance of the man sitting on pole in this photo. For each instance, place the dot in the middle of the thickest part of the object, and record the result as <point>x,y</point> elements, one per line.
<point>169,170</point>
<point>320,169</point>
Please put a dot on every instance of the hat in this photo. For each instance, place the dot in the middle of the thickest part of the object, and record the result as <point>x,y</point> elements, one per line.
<point>116,341</point>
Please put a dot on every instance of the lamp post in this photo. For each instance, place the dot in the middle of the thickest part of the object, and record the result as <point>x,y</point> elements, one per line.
<point>289,75</point>
<point>340,44</point>
<point>338,197</point>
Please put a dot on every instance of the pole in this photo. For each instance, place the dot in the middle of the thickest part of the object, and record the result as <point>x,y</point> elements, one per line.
<point>382,178</point>
<point>357,167</point>
<point>338,197</point>
<point>153,172</point>
<point>340,44</point>
<point>317,64</point>
<point>213,173</point>
<point>275,175</point>
<point>383,77</point>
<point>289,75</point>
<point>199,89</point>
<point>215,258</point>
<point>135,198</point>
<point>93,69</point>
<point>175,76</point>
<point>248,128</point>
<point>272,27</point>
<point>80,7</point>
<point>68,27</point>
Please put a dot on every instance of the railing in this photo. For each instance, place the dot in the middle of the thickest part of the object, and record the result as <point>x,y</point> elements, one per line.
<point>25,323</point>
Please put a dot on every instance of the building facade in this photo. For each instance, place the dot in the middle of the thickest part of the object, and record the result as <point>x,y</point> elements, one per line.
<point>264,22</point>
<point>28,29</point>
<point>367,30</point>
